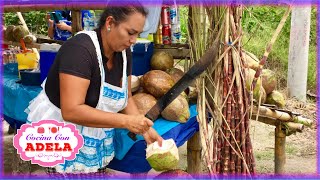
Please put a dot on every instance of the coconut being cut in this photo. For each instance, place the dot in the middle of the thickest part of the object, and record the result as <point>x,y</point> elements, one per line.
<point>163,158</point>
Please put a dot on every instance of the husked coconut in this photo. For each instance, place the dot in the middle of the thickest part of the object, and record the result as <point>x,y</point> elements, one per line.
<point>276,98</point>
<point>161,60</point>
<point>9,33</point>
<point>163,158</point>
<point>269,80</point>
<point>30,39</point>
<point>19,32</point>
<point>177,110</point>
<point>157,82</point>
<point>144,102</point>
<point>175,73</point>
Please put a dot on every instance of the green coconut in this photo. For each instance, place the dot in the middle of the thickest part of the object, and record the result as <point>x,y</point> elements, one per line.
<point>144,102</point>
<point>269,80</point>
<point>262,93</point>
<point>163,158</point>
<point>276,98</point>
<point>157,82</point>
<point>249,76</point>
<point>177,110</point>
<point>19,32</point>
<point>175,73</point>
<point>9,33</point>
<point>161,60</point>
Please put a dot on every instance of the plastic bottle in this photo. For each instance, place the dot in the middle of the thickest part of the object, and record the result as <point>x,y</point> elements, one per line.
<point>86,22</point>
<point>92,21</point>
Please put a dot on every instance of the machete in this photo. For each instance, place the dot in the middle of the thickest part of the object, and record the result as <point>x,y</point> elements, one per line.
<point>182,84</point>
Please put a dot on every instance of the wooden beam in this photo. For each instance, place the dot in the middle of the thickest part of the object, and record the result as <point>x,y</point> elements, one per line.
<point>76,21</point>
<point>194,154</point>
<point>49,7</point>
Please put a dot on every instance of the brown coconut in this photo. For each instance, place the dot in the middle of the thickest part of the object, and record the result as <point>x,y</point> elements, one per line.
<point>161,60</point>
<point>19,32</point>
<point>175,73</point>
<point>276,98</point>
<point>177,110</point>
<point>144,102</point>
<point>9,33</point>
<point>157,82</point>
<point>269,80</point>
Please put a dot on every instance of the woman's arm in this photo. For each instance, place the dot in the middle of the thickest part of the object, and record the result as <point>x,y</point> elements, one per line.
<point>73,91</point>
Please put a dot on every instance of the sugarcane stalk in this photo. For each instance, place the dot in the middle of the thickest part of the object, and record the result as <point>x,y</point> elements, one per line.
<point>232,142</point>
<point>269,47</point>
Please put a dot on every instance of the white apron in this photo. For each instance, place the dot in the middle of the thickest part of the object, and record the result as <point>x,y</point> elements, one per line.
<point>98,149</point>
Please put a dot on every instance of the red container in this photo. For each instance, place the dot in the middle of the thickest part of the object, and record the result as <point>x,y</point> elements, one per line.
<point>166,34</point>
<point>165,15</point>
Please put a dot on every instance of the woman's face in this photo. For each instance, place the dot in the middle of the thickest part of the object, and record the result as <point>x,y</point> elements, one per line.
<point>123,35</point>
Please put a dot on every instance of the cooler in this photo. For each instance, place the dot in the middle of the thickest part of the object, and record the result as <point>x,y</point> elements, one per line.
<point>142,52</point>
<point>48,53</point>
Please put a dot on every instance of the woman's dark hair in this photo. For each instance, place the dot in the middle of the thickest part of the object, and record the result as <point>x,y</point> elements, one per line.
<point>120,13</point>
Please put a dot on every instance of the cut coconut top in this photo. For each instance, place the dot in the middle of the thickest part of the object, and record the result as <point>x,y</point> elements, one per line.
<point>154,148</point>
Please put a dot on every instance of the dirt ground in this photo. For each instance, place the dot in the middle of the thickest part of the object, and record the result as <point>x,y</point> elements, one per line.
<point>301,152</point>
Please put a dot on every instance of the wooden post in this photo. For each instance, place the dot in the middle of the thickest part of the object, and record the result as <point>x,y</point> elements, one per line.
<point>76,21</point>
<point>279,150</point>
<point>194,154</point>
<point>298,52</point>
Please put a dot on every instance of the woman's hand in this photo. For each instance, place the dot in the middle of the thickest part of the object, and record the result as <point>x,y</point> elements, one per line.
<point>151,136</point>
<point>139,124</point>
<point>49,21</point>
<point>63,26</point>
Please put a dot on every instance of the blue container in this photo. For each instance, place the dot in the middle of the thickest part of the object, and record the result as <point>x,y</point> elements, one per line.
<point>141,56</point>
<point>46,60</point>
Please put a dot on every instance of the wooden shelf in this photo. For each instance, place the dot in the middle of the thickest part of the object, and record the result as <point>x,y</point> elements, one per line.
<point>33,45</point>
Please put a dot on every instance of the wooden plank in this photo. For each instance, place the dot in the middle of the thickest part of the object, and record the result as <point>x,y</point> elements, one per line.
<point>33,45</point>
<point>50,7</point>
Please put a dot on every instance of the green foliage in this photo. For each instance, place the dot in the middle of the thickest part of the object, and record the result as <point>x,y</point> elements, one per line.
<point>35,21</point>
<point>259,24</point>
<point>183,12</point>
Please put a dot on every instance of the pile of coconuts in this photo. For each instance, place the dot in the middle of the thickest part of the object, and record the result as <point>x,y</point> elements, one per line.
<point>266,83</point>
<point>156,82</point>
<point>16,33</point>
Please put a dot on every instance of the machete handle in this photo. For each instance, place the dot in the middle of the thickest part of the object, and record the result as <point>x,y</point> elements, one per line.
<point>132,135</point>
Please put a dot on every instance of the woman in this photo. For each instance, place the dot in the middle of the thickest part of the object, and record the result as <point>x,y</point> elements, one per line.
<point>89,83</point>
